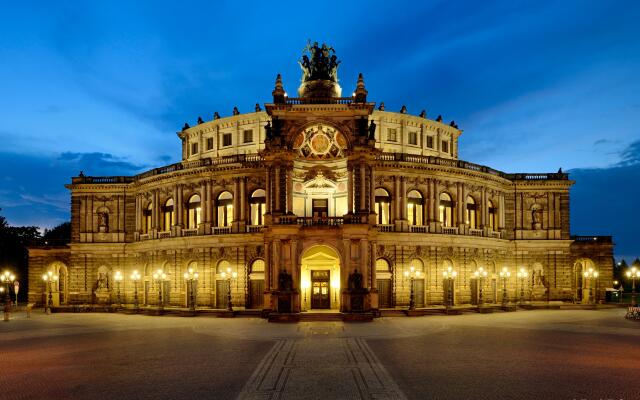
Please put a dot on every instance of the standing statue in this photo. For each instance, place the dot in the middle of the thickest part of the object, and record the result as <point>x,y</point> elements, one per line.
<point>103,282</point>
<point>372,131</point>
<point>320,64</point>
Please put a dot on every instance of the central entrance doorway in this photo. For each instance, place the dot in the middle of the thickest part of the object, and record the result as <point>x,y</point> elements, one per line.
<point>320,296</point>
<point>320,279</point>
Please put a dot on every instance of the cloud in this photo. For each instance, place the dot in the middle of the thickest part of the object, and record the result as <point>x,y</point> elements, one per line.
<point>33,191</point>
<point>604,201</point>
<point>630,155</point>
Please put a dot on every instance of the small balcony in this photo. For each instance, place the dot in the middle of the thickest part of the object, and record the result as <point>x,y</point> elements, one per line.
<point>220,230</point>
<point>320,221</point>
<point>450,230</point>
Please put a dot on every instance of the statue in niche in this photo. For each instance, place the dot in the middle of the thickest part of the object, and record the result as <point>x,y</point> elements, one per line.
<point>355,281</point>
<point>536,216</point>
<point>103,281</point>
<point>103,222</point>
<point>285,281</point>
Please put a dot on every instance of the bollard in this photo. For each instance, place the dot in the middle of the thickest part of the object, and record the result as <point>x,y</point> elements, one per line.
<point>29,306</point>
<point>6,313</point>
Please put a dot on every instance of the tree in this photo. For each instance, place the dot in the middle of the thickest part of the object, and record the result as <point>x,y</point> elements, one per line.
<point>57,235</point>
<point>14,255</point>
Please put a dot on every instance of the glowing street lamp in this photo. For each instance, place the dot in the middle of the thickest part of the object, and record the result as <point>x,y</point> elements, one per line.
<point>449,275</point>
<point>49,278</point>
<point>480,274</point>
<point>191,277</point>
<point>633,273</point>
<point>412,274</point>
<point>522,275</point>
<point>7,279</point>
<point>135,277</point>
<point>591,275</point>
<point>504,275</point>
<point>118,278</point>
<point>160,277</point>
<point>228,276</point>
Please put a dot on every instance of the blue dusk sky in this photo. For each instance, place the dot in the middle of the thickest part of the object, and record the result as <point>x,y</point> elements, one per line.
<point>104,86</point>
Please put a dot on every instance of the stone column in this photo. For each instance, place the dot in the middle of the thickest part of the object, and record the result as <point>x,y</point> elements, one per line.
<point>179,204</point>
<point>138,212</point>
<point>403,195</point>
<point>243,199</point>
<point>276,190</point>
<point>350,190</point>
<point>483,208</point>
<point>372,195</point>
<point>289,177</point>
<point>363,187</point>
<point>501,211</point>
<point>396,197</point>
<point>267,190</point>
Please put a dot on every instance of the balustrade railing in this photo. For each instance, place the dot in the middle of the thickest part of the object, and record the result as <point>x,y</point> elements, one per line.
<point>220,230</point>
<point>386,227</point>
<point>254,228</point>
<point>594,239</point>
<point>189,232</point>
<point>447,162</point>
<point>144,236</point>
<point>418,229</point>
<point>164,234</point>
<point>476,232</point>
<point>496,234</point>
<point>450,230</point>
<point>320,221</point>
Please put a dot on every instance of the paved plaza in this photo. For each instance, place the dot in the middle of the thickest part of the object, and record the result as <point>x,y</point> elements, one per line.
<point>543,354</point>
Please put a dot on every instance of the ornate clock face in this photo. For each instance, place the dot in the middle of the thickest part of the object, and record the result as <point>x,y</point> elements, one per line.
<point>320,142</point>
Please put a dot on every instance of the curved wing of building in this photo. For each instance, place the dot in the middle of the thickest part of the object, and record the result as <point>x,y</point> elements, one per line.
<point>322,202</point>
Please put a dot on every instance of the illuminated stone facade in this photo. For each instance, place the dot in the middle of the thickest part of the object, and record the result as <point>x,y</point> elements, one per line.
<point>319,188</point>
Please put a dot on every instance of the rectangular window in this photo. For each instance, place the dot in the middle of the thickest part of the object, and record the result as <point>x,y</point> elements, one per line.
<point>445,146</point>
<point>392,135</point>
<point>413,138</point>
<point>248,136</point>
<point>194,148</point>
<point>226,139</point>
<point>209,143</point>
<point>430,142</point>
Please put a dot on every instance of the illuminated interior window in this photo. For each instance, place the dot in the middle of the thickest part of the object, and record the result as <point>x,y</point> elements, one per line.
<point>382,265</point>
<point>383,201</point>
<point>225,209</point>
<point>167,215</point>
<point>492,215</point>
<point>446,209</point>
<point>414,207</point>
<point>148,215</point>
<point>471,216</point>
<point>257,203</point>
<point>193,212</point>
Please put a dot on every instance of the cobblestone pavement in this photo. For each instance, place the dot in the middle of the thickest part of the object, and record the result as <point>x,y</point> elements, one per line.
<point>528,354</point>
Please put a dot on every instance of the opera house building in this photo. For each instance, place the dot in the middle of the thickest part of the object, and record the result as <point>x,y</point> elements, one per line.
<point>318,200</point>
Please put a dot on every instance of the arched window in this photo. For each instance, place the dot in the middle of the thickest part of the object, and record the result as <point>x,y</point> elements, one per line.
<point>148,215</point>
<point>472,215</point>
<point>446,209</point>
<point>223,266</point>
<point>414,207</point>
<point>167,214</point>
<point>257,266</point>
<point>257,203</point>
<point>382,265</point>
<point>492,215</point>
<point>225,209</point>
<point>383,201</point>
<point>193,212</point>
<point>417,265</point>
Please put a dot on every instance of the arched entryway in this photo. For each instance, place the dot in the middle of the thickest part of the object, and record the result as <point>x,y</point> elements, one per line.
<point>320,278</point>
<point>59,288</point>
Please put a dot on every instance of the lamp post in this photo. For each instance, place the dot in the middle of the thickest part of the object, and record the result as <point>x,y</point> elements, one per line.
<point>7,278</point>
<point>228,276</point>
<point>480,274</point>
<point>522,275</point>
<point>504,275</point>
<point>160,277</point>
<point>135,277</point>
<point>49,278</point>
<point>412,274</point>
<point>633,273</point>
<point>191,277</point>
<point>591,275</point>
<point>118,278</point>
<point>449,275</point>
